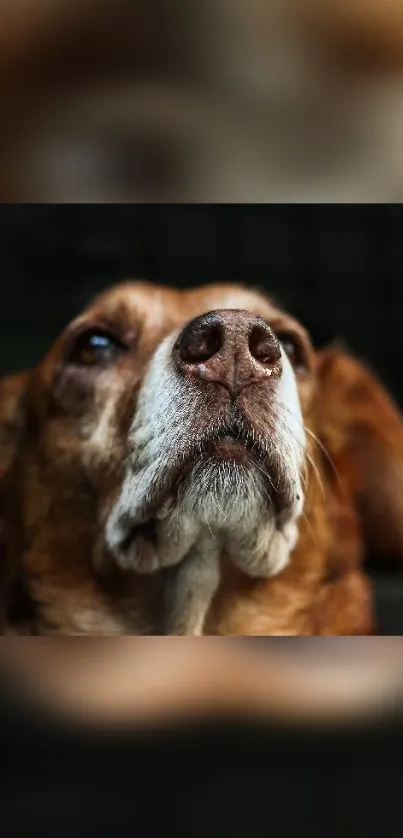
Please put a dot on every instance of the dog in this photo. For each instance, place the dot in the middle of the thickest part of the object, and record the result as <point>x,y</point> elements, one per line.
<point>185,462</point>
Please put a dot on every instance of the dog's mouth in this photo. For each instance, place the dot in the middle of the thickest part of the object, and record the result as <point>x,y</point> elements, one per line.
<point>233,445</point>
<point>234,442</point>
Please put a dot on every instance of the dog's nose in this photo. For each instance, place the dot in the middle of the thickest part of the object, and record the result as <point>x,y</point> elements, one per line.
<point>232,348</point>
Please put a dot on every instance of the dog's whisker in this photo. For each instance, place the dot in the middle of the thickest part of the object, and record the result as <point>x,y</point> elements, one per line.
<point>315,471</point>
<point>315,439</point>
<point>312,529</point>
<point>324,450</point>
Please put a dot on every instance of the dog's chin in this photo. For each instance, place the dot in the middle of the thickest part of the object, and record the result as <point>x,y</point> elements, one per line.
<point>240,477</point>
<point>226,486</point>
<point>218,490</point>
<point>223,464</point>
<point>222,478</point>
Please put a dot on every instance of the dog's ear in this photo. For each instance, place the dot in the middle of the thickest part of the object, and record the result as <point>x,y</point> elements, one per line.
<point>362,429</point>
<point>12,393</point>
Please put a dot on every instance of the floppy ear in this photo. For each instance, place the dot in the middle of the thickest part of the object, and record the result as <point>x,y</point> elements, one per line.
<point>12,392</point>
<point>362,428</point>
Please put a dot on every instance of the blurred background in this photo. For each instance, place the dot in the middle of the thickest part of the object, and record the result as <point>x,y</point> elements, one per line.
<point>338,269</point>
<point>221,100</point>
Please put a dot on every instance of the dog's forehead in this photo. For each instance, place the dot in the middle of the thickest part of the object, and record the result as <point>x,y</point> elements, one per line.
<point>160,306</point>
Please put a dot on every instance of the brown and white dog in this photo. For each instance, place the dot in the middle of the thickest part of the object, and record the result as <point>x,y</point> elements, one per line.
<point>183,462</point>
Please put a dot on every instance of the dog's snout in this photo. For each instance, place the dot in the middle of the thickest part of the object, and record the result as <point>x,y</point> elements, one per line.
<point>231,348</point>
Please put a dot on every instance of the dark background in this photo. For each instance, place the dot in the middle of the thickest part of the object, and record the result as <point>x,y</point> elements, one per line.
<point>340,271</point>
<point>222,780</point>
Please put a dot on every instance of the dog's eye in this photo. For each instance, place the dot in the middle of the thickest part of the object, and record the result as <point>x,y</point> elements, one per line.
<point>295,351</point>
<point>96,348</point>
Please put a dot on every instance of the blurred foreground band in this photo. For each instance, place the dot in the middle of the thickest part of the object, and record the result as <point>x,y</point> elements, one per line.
<point>147,681</point>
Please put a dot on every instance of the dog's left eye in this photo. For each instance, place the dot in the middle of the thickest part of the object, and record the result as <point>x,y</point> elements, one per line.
<point>295,351</point>
<point>96,348</point>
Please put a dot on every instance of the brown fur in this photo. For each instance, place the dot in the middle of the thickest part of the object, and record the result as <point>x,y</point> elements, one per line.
<point>57,485</point>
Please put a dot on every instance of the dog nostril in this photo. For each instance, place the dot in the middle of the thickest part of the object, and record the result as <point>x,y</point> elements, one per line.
<point>264,346</point>
<point>201,344</point>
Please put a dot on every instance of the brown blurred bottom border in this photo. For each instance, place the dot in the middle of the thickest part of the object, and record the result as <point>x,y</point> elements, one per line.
<point>152,682</point>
